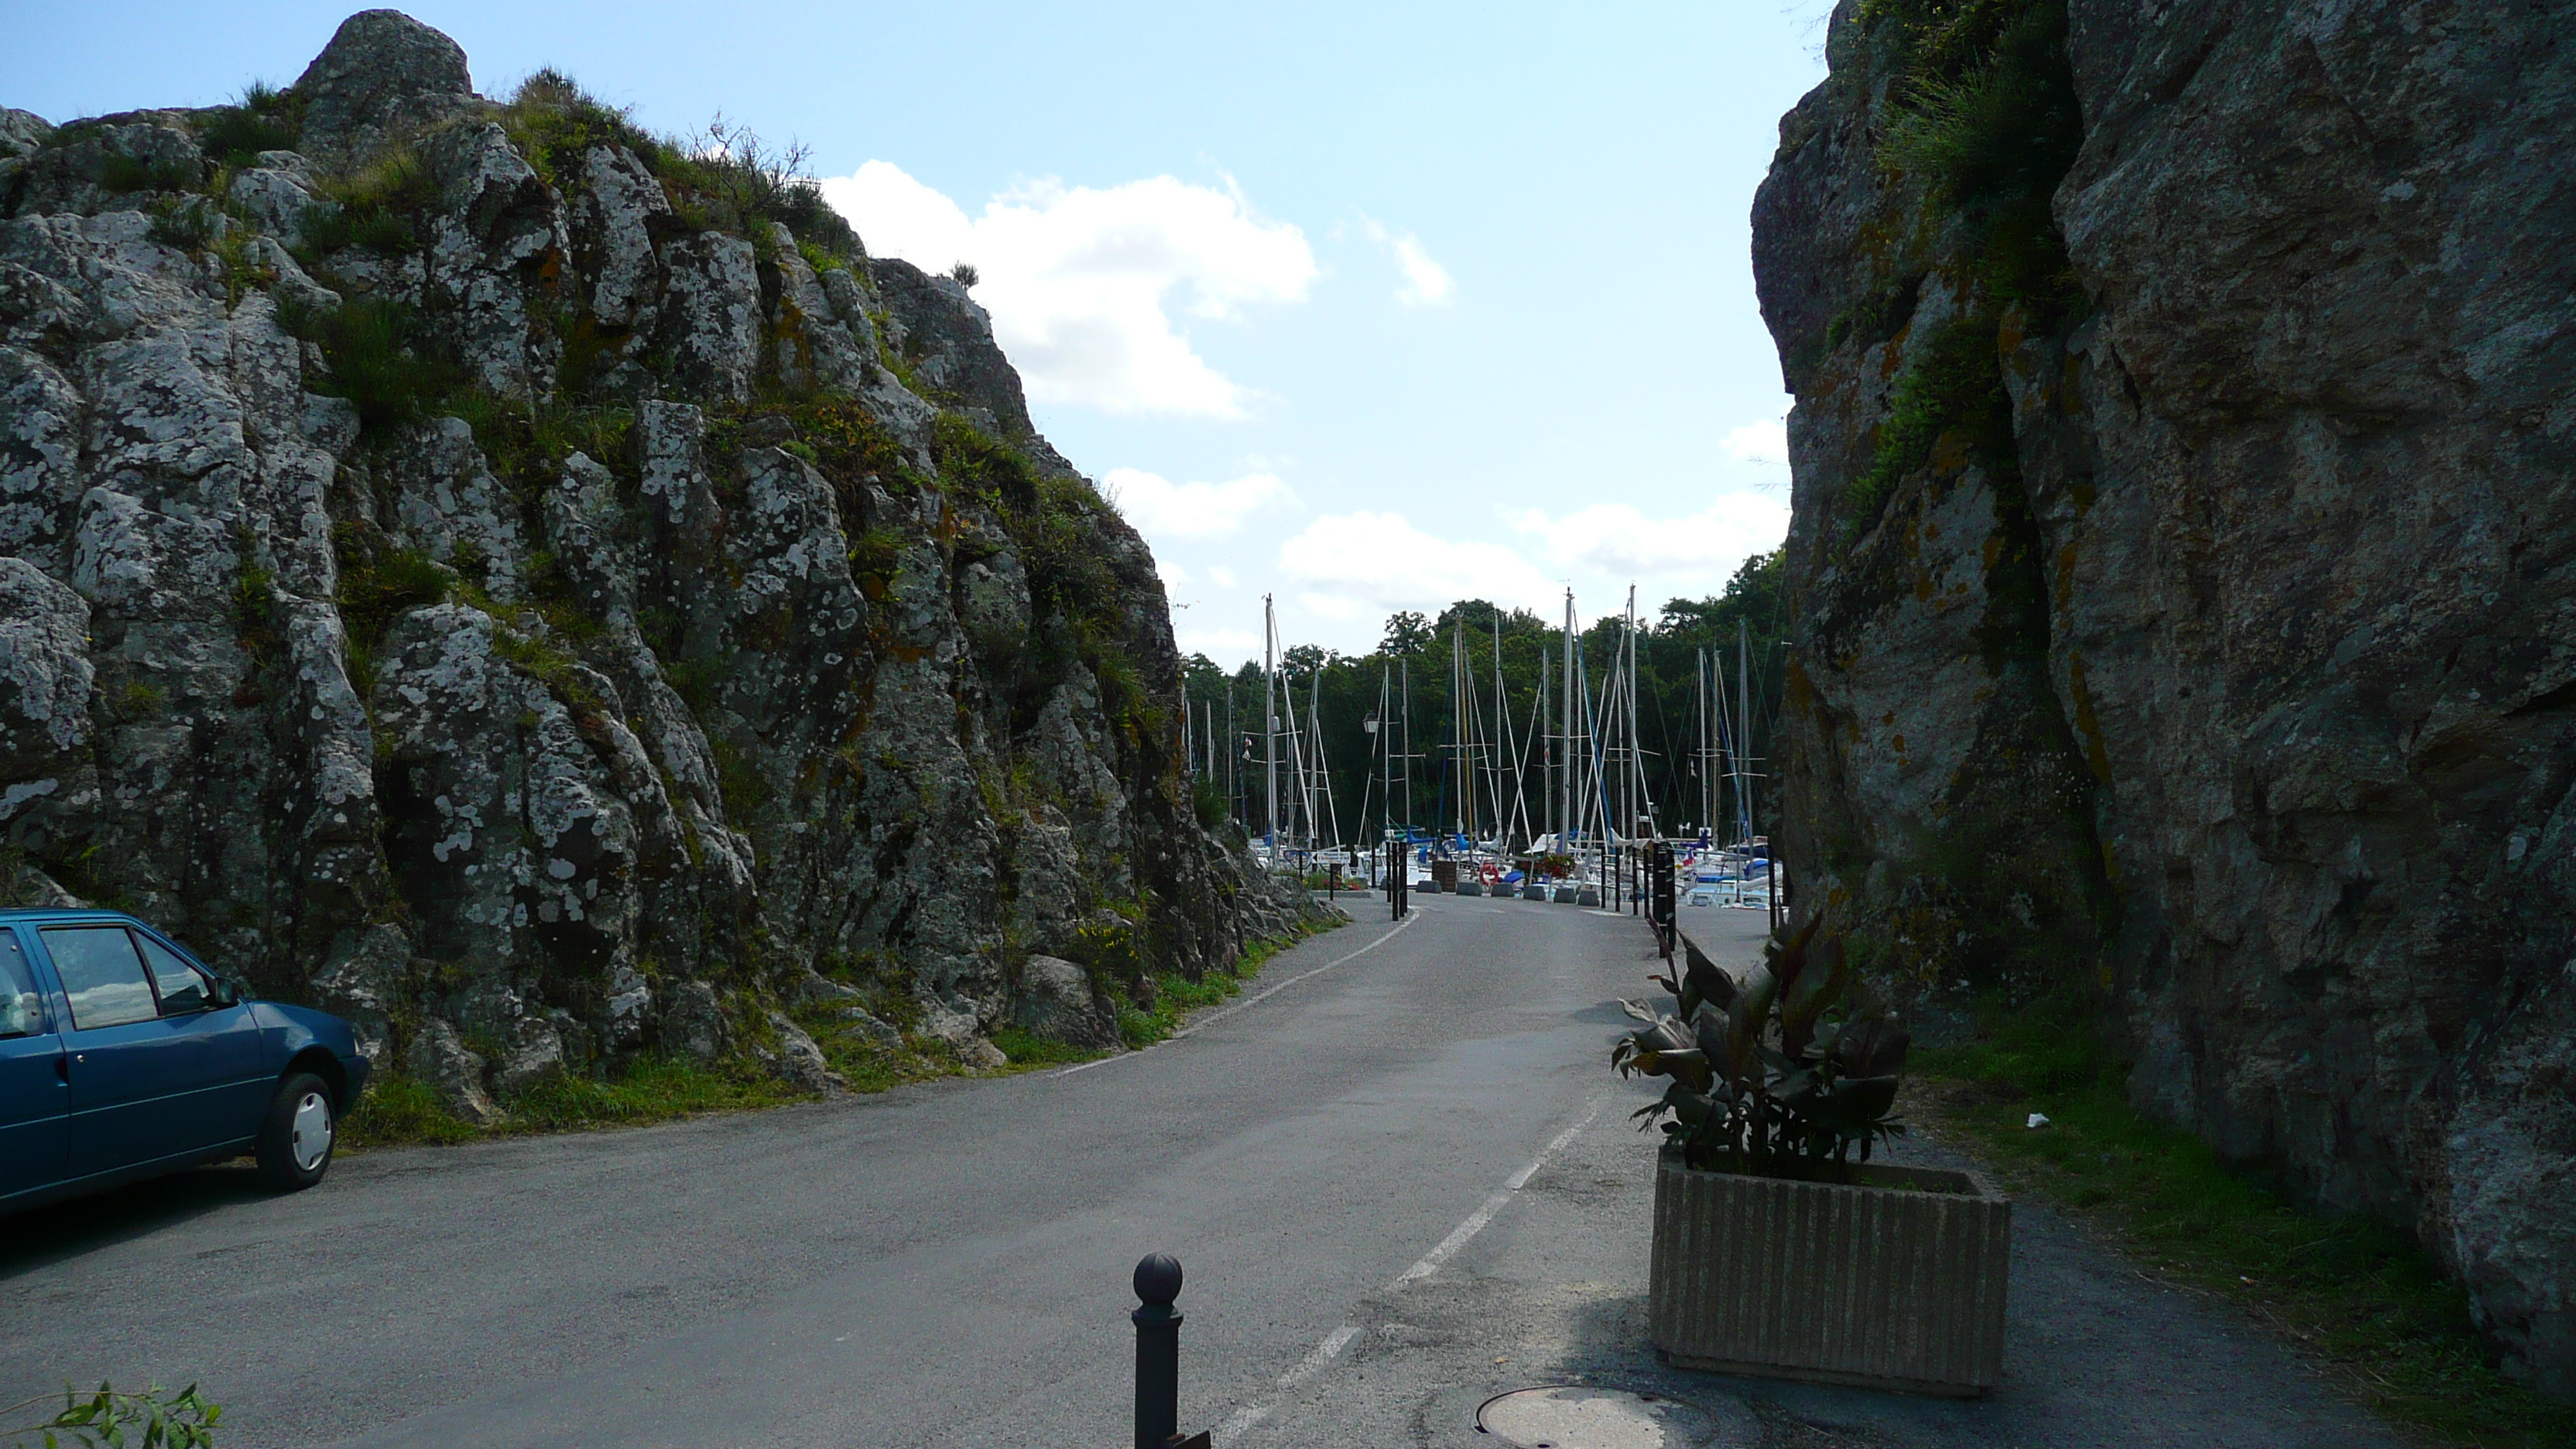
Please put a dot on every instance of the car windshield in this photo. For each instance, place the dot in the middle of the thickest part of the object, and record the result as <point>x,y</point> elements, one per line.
<point>183,987</point>
<point>101,974</point>
<point>22,1012</point>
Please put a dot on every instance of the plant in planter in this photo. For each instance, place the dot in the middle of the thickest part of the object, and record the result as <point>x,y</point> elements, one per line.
<point>1786,1070</point>
<point>1775,1252</point>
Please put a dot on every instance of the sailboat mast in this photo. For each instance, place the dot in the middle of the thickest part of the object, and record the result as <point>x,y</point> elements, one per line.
<point>1744,730</point>
<point>1546,748</point>
<point>1296,764</point>
<point>1330,816</point>
<point>1270,725</point>
<point>1404,678</point>
<point>1707,768</point>
<point>1565,782</point>
<point>1503,727</point>
<point>1385,751</point>
<point>1636,753</point>
<point>1464,810</point>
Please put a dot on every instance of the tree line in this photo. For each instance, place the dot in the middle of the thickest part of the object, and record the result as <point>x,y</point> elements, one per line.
<point>1415,659</point>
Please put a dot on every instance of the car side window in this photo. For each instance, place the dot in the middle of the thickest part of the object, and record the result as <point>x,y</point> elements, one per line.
<point>183,987</point>
<point>101,974</point>
<point>22,1011</point>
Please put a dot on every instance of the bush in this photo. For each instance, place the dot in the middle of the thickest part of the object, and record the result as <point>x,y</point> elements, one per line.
<point>133,173</point>
<point>265,119</point>
<point>380,208</point>
<point>1789,1070</point>
<point>555,123</point>
<point>379,584</point>
<point>1956,386</point>
<point>1208,802</point>
<point>375,360</point>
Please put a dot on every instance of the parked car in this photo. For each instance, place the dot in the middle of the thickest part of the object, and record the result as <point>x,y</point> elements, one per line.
<point>122,1056</point>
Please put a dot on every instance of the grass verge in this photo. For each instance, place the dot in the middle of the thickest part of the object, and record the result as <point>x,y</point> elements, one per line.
<point>398,1111</point>
<point>1176,996</point>
<point>2353,1295</point>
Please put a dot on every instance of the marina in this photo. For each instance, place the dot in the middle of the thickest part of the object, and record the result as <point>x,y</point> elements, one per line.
<point>1550,788</point>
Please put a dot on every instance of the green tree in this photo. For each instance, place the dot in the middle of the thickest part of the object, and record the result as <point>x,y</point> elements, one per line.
<point>1406,633</point>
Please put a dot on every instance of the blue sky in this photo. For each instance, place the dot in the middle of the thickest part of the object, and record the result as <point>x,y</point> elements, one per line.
<point>1367,306</point>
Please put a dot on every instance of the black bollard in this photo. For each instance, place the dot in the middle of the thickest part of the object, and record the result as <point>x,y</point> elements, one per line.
<point>1158,1352</point>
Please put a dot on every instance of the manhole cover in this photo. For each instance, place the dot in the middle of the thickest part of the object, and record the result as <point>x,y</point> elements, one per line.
<point>1571,1417</point>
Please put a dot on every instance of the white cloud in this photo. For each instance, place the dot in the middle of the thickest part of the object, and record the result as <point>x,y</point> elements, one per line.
<point>1218,643</point>
<point>1224,577</point>
<point>1381,559</point>
<point>1426,282</point>
<point>1081,281</point>
<point>1617,539</point>
<point>1764,442</point>
<point>1174,576</point>
<point>1161,508</point>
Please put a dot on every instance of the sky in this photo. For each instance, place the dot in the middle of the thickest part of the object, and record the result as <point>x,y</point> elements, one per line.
<point>1364,307</point>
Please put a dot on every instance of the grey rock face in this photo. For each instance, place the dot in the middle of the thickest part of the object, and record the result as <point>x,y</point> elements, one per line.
<point>21,132</point>
<point>436,1056</point>
<point>382,73</point>
<point>1055,1000</point>
<point>639,681</point>
<point>45,689</point>
<point>2252,662</point>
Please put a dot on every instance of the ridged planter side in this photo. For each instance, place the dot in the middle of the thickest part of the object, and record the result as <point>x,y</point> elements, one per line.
<point>1894,1281</point>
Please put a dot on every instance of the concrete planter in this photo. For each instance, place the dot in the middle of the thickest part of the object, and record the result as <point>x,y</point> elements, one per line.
<point>1894,1280</point>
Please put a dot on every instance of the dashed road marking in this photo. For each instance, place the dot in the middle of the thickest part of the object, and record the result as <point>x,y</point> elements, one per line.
<point>1242,1420</point>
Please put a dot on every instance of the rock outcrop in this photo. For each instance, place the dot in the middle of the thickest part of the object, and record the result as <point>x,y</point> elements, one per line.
<point>551,596</point>
<point>2185,564</point>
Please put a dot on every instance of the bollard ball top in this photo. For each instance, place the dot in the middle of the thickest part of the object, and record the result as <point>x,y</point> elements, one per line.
<point>1158,1279</point>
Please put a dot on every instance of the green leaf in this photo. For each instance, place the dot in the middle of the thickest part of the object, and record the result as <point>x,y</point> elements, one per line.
<point>1828,973</point>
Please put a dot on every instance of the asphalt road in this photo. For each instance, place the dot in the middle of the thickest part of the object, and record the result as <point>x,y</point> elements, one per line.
<point>1397,1172</point>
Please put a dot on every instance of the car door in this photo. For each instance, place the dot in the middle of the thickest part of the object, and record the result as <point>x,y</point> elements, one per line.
<point>132,1071</point>
<point>35,1100</point>
<point>238,1080</point>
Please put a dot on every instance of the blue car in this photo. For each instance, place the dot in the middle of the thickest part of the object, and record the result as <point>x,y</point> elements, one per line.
<point>124,1057</point>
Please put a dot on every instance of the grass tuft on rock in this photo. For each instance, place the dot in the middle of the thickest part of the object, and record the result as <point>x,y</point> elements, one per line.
<point>376,361</point>
<point>2355,1295</point>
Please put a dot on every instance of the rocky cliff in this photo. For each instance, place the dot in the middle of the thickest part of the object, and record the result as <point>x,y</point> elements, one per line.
<point>2184,558</point>
<point>547,593</point>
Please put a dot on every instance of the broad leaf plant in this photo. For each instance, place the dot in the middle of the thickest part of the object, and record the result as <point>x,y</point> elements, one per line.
<point>1783,1074</point>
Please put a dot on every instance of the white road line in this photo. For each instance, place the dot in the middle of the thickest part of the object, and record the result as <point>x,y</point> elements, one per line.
<point>1223,1012</point>
<point>1321,1357</point>
<point>1475,1223</point>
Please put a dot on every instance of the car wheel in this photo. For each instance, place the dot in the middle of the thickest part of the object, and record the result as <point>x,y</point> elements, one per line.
<point>295,1141</point>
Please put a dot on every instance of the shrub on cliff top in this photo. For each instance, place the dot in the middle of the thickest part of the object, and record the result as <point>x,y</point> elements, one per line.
<point>265,119</point>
